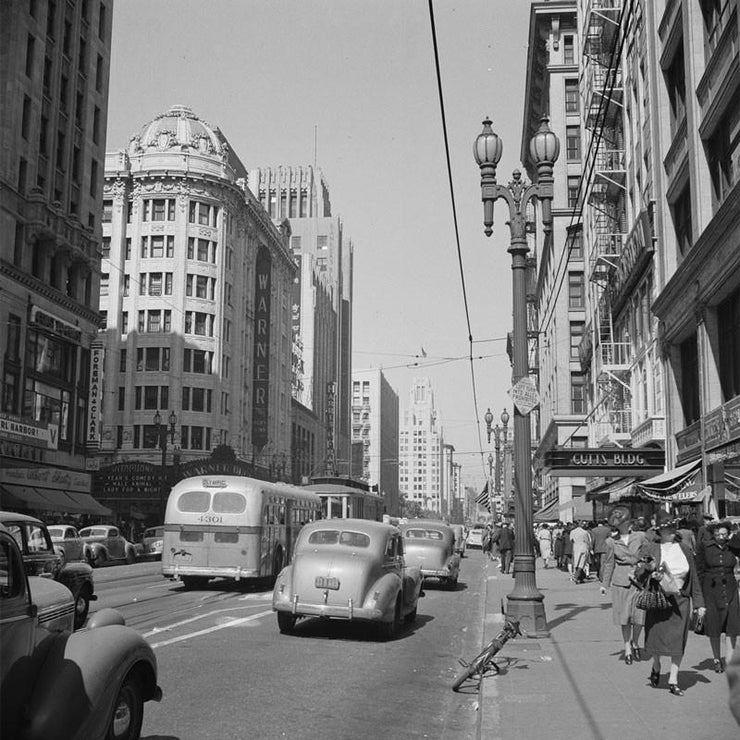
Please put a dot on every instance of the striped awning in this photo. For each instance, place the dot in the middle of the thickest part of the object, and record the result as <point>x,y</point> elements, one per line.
<point>669,485</point>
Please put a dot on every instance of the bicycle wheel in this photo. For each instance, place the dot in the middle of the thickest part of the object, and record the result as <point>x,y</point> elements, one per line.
<point>476,667</point>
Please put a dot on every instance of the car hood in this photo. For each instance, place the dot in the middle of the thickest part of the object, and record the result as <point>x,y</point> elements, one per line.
<point>350,575</point>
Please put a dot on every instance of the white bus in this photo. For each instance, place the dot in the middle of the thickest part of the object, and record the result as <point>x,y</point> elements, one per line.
<point>232,527</point>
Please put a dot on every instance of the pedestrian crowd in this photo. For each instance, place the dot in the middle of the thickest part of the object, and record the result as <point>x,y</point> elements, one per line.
<point>667,578</point>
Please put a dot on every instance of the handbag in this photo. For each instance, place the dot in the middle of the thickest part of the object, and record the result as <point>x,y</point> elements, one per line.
<point>651,596</point>
<point>696,623</point>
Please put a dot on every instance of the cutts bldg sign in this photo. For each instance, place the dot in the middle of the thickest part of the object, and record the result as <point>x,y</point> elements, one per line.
<point>602,461</point>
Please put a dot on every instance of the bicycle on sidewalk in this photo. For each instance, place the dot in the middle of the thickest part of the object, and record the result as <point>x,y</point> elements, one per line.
<point>484,661</point>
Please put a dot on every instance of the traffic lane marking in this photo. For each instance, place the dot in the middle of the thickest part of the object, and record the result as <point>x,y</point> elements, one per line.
<point>157,630</point>
<point>231,623</point>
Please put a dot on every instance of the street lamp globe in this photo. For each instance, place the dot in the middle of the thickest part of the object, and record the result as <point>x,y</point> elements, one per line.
<point>544,146</point>
<point>173,419</point>
<point>157,419</point>
<point>488,147</point>
<point>488,418</point>
<point>505,417</point>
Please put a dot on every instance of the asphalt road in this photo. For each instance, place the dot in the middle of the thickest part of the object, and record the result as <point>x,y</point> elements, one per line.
<point>227,672</point>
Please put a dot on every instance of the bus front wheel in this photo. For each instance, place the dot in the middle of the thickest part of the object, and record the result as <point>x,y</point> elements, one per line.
<point>286,622</point>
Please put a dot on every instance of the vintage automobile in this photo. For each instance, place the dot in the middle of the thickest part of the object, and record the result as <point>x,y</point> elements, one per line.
<point>151,543</point>
<point>41,559</point>
<point>460,538</point>
<point>56,684</point>
<point>430,545</point>
<point>348,569</point>
<point>106,543</point>
<point>67,543</point>
<point>475,536</point>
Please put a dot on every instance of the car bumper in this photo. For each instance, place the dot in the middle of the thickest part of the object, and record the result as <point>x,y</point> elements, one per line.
<point>349,612</point>
<point>177,571</point>
<point>436,573</point>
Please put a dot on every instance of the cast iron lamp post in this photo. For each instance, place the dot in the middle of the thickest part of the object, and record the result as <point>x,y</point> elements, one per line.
<point>525,602</point>
<point>162,431</point>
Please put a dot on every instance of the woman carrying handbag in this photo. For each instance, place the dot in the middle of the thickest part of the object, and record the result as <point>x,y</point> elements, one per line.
<point>666,630</point>
<point>716,559</point>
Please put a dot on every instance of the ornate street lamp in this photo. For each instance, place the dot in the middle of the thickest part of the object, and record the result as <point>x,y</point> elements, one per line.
<point>525,602</point>
<point>162,430</point>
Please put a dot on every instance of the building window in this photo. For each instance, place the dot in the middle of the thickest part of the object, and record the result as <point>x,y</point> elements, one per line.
<point>575,244</point>
<point>202,214</point>
<point>127,249</point>
<point>121,398</point>
<point>26,117</point>
<point>572,102</point>
<point>569,55</point>
<point>124,322</point>
<point>675,77</point>
<point>573,188</point>
<point>576,290</point>
<point>107,211</point>
<point>577,393</point>
<point>681,212</point>
<point>689,381</point>
<point>728,325</point>
<point>573,143</point>
<point>576,335</point>
<point>723,150</point>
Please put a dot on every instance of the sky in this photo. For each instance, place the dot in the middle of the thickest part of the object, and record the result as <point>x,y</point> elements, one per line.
<point>351,86</point>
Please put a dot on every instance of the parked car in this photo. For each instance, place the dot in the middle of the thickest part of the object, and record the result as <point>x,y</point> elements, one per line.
<point>56,684</point>
<point>67,543</point>
<point>430,545</point>
<point>460,538</point>
<point>41,559</point>
<point>348,569</point>
<point>475,536</point>
<point>107,543</point>
<point>151,543</point>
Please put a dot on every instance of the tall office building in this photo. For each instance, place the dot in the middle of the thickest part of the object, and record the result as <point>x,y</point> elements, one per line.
<point>560,289</point>
<point>54,64</point>
<point>375,425</point>
<point>420,449</point>
<point>195,295</point>
<point>322,312</point>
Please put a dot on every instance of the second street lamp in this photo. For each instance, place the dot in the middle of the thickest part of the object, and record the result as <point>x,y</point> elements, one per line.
<point>525,602</point>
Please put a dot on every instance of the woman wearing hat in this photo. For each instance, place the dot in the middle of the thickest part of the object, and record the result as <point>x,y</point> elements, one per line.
<point>624,550</point>
<point>716,559</point>
<point>666,630</point>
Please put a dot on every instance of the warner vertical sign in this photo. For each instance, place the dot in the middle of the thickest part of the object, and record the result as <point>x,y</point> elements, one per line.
<point>261,370</point>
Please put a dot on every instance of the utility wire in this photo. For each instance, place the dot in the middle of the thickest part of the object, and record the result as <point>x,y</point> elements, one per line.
<point>454,218</point>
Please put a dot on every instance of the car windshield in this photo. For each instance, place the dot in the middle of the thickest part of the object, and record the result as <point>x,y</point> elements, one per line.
<point>93,532</point>
<point>337,537</point>
<point>423,534</point>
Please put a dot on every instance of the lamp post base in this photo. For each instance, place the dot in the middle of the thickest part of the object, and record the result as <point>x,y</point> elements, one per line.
<point>530,613</point>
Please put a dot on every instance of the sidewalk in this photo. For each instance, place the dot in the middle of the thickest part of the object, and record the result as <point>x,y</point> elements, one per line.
<point>575,684</point>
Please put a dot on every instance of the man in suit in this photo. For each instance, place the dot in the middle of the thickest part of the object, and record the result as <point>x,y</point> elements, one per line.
<point>600,533</point>
<point>505,546</point>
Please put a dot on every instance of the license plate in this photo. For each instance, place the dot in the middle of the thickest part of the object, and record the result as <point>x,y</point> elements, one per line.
<point>324,582</point>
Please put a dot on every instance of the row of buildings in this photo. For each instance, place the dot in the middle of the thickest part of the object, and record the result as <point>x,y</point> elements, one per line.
<point>167,309</point>
<point>636,292</point>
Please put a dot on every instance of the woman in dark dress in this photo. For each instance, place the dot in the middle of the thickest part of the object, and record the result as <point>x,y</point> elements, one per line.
<point>666,630</point>
<point>715,562</point>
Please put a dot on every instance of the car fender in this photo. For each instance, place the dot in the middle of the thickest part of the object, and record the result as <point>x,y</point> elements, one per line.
<point>283,590</point>
<point>387,587</point>
<point>82,674</point>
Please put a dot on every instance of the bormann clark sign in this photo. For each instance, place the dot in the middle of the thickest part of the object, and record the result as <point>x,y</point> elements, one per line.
<point>616,461</point>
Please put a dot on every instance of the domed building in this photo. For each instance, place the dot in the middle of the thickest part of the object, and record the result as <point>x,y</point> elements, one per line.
<point>195,295</point>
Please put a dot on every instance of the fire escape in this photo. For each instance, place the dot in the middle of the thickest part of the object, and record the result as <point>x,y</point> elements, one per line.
<point>607,355</point>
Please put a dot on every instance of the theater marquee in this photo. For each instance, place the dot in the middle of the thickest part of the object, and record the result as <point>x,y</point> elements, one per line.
<point>600,461</point>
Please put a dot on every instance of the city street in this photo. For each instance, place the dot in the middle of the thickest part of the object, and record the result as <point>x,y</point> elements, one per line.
<point>227,672</point>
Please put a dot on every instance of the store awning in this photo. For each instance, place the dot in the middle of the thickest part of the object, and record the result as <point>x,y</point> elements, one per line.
<point>49,499</point>
<point>547,513</point>
<point>21,497</point>
<point>614,491</point>
<point>666,482</point>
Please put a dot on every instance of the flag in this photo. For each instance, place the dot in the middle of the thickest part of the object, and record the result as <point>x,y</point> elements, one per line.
<point>483,499</point>
<point>423,352</point>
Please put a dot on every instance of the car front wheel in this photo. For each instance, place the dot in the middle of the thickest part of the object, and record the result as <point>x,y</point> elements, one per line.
<point>82,606</point>
<point>128,712</point>
<point>130,557</point>
<point>97,559</point>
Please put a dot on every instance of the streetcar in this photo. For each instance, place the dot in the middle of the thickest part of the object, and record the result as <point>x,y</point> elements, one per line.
<point>346,498</point>
<point>234,527</point>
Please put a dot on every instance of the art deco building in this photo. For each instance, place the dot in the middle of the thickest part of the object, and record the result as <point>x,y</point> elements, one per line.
<point>420,449</point>
<point>375,425</point>
<point>195,294</point>
<point>560,286</point>
<point>54,62</point>
<point>321,312</point>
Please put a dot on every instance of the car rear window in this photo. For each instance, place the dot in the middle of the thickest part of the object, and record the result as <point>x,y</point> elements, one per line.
<point>194,501</point>
<point>423,534</point>
<point>93,532</point>
<point>337,537</point>
<point>229,502</point>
